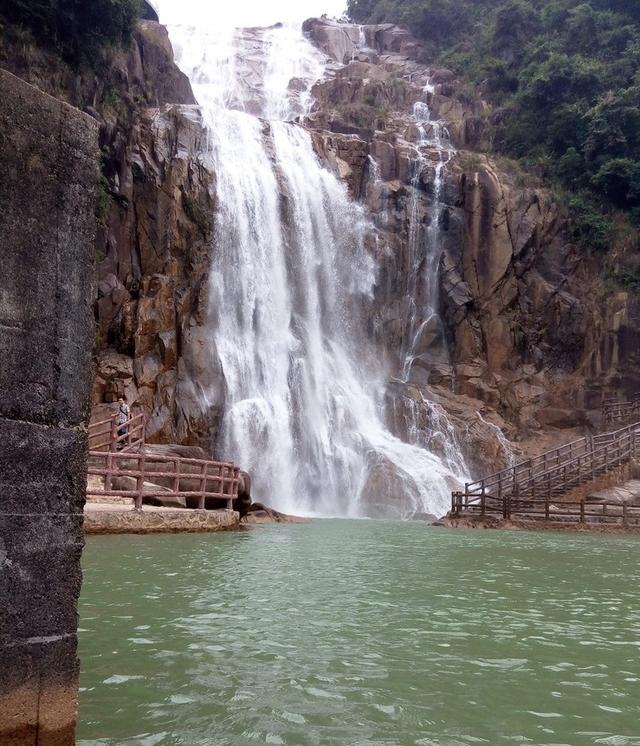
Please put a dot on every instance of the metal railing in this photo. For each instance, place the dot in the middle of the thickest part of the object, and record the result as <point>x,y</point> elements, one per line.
<point>531,486</point>
<point>128,471</point>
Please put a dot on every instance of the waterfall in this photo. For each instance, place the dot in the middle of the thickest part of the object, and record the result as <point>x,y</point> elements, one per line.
<point>290,287</point>
<point>425,250</point>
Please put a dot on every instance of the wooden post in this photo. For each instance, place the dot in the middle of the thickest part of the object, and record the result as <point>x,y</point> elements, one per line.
<point>140,480</point>
<point>107,479</point>
<point>581,511</point>
<point>230,498</point>
<point>203,484</point>
<point>546,509</point>
<point>624,514</point>
<point>114,435</point>
<point>176,475</point>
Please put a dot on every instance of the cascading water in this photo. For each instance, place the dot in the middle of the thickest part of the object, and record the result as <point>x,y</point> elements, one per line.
<point>424,250</point>
<point>290,284</point>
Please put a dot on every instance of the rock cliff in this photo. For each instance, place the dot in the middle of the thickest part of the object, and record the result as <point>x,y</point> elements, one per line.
<point>483,308</point>
<point>523,332</point>
<point>154,231</point>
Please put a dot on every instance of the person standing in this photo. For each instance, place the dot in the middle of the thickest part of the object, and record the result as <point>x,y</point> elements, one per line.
<point>123,415</point>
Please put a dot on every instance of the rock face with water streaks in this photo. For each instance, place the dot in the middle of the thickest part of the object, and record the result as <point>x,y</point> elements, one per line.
<point>529,337</point>
<point>154,236</point>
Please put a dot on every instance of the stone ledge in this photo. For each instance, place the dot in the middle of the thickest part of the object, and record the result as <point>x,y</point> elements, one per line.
<point>110,520</point>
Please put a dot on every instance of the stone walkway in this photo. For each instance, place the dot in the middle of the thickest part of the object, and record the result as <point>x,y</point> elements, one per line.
<point>116,516</point>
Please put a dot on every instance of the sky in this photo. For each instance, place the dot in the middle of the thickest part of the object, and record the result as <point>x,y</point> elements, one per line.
<point>246,12</point>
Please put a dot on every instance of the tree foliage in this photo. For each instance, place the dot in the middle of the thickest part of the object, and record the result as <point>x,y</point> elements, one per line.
<point>563,77</point>
<point>80,30</point>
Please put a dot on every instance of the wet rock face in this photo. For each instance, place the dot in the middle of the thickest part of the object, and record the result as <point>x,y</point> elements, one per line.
<point>152,307</point>
<point>529,336</point>
<point>49,160</point>
<point>154,241</point>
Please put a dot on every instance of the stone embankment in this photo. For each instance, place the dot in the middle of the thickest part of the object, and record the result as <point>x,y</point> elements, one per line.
<point>515,524</point>
<point>113,518</point>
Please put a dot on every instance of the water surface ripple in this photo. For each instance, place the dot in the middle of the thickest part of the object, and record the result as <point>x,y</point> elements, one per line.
<point>360,632</point>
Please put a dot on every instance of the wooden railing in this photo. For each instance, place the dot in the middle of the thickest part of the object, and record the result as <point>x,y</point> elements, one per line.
<point>103,435</point>
<point>186,477</point>
<point>123,459</point>
<point>620,411</point>
<point>532,486</point>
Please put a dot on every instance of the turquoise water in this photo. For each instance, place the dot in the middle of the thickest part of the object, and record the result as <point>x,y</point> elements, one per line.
<point>360,632</point>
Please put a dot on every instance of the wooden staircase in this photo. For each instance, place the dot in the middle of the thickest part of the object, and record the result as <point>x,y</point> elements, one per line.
<point>554,486</point>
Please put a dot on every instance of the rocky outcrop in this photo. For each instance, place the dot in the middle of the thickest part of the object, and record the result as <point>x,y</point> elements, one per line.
<point>152,305</point>
<point>49,165</point>
<point>155,221</point>
<point>528,335</point>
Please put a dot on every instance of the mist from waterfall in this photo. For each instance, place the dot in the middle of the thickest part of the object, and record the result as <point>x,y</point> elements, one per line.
<point>290,287</point>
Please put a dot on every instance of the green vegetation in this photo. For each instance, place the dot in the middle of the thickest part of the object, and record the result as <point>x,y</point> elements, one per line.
<point>79,30</point>
<point>563,78</point>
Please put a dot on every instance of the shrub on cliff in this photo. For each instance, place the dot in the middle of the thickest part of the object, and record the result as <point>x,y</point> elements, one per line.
<point>564,78</point>
<point>79,30</point>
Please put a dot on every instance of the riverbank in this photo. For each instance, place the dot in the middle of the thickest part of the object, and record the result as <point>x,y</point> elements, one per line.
<point>113,518</point>
<point>493,522</point>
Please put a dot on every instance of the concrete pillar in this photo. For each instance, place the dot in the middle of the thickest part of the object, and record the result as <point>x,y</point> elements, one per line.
<point>48,167</point>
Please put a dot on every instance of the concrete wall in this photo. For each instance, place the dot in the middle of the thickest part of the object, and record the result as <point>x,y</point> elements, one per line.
<point>48,162</point>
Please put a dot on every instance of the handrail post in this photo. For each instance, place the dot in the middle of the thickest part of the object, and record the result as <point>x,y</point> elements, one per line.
<point>113,436</point>
<point>482,501</point>
<point>231,471</point>
<point>107,479</point>
<point>140,480</point>
<point>203,485</point>
<point>581,511</point>
<point>176,475</point>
